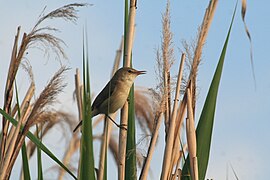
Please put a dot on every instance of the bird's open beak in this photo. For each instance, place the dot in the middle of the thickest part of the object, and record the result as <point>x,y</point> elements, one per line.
<point>140,72</point>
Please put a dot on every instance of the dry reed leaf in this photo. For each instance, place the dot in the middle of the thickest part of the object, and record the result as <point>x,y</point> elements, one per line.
<point>243,13</point>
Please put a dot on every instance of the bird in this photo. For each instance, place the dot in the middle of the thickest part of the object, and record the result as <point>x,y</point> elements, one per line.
<point>114,95</point>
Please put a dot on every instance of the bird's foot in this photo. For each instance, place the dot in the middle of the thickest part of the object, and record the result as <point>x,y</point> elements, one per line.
<point>122,126</point>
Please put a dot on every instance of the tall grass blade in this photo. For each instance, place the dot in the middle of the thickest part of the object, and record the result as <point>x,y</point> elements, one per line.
<point>38,143</point>
<point>87,169</point>
<point>39,159</point>
<point>205,125</point>
<point>26,171</point>
<point>234,172</point>
<point>130,169</point>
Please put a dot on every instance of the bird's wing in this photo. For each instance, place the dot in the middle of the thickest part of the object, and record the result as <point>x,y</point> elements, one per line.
<point>104,94</point>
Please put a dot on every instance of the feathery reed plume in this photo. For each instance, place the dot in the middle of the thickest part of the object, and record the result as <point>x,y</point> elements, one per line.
<point>51,119</point>
<point>165,59</point>
<point>203,32</point>
<point>25,65</point>
<point>46,98</point>
<point>145,114</point>
<point>45,40</point>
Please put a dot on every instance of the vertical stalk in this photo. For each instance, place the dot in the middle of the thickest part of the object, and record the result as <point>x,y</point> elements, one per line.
<point>128,43</point>
<point>146,165</point>
<point>170,138</point>
<point>108,124</point>
<point>191,138</point>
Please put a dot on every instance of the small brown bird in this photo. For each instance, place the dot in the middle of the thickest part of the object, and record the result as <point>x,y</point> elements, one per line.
<point>114,95</point>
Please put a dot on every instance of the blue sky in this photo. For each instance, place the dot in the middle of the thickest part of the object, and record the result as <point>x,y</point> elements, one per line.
<point>241,129</point>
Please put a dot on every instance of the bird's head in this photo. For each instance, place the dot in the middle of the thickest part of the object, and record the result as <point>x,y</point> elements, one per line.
<point>128,74</point>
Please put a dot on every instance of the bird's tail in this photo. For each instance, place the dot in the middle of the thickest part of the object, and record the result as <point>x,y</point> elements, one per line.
<point>80,123</point>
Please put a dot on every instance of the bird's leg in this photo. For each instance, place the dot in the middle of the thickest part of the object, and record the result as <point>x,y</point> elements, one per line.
<point>122,126</point>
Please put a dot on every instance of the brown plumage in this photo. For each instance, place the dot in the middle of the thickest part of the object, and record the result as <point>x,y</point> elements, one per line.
<point>115,93</point>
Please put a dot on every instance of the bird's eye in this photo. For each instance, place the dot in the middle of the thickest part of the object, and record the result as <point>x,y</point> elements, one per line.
<point>129,71</point>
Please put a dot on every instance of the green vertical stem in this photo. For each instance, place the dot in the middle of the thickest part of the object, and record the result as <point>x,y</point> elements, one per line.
<point>87,169</point>
<point>130,168</point>
<point>39,160</point>
<point>125,29</point>
<point>26,171</point>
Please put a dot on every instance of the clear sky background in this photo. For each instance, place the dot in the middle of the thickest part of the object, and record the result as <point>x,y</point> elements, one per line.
<point>241,130</point>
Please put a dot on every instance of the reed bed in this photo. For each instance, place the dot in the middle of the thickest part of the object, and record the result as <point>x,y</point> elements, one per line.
<point>174,104</point>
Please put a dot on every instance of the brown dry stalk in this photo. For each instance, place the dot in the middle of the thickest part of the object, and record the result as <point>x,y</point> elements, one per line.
<point>178,115</point>
<point>73,146</point>
<point>108,124</point>
<point>177,168</point>
<point>79,100</point>
<point>177,134</point>
<point>146,165</point>
<point>175,155</point>
<point>130,33</point>
<point>9,152</point>
<point>191,138</point>
<point>13,67</point>
<point>122,144</point>
<point>23,108</point>
<point>124,111</point>
<point>104,145</point>
<point>170,138</point>
<point>78,93</point>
